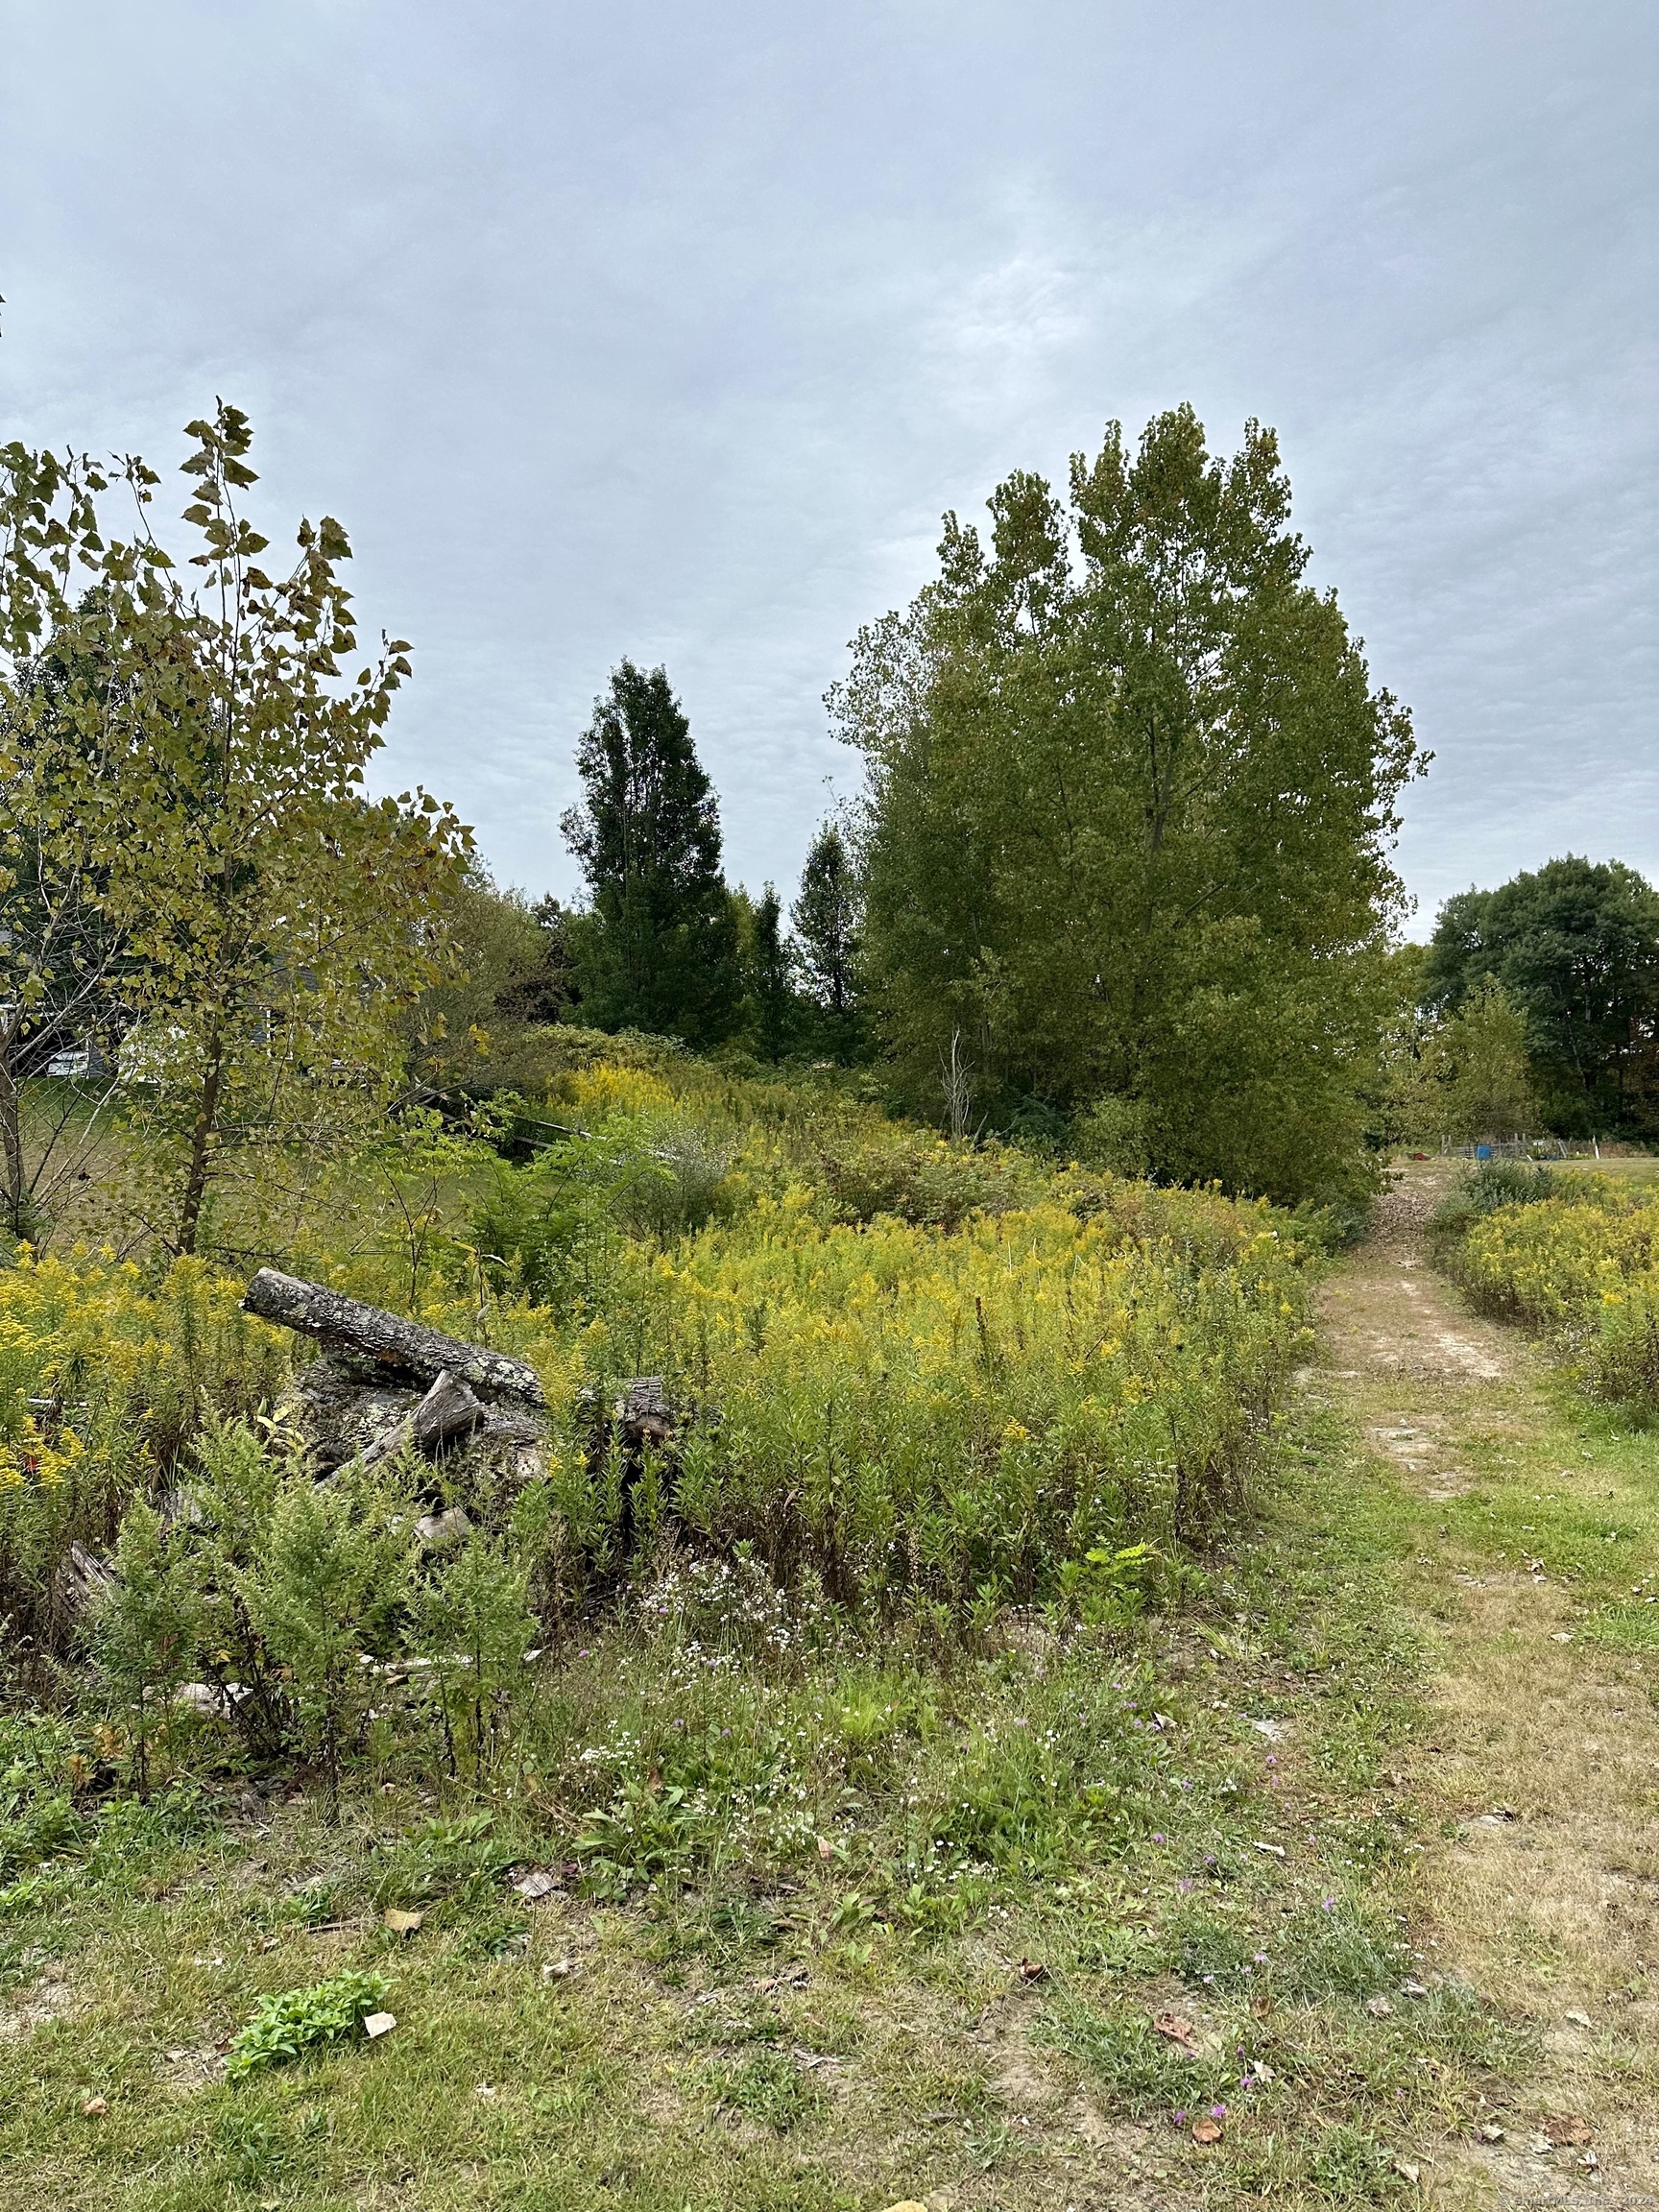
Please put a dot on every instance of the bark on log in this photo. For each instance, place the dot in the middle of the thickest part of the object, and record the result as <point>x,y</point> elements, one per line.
<point>424,1353</point>
<point>82,1582</point>
<point>448,1410</point>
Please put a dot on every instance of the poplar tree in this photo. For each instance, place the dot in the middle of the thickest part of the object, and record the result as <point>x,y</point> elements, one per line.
<point>657,950</point>
<point>274,919</point>
<point>1132,796</point>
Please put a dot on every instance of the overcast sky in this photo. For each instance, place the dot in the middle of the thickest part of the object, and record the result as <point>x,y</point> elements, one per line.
<point>670,332</point>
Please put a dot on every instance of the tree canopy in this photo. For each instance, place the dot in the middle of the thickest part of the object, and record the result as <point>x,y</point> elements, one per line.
<point>1130,805</point>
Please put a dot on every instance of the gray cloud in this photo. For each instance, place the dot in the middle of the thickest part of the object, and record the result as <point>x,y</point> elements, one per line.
<point>671,332</point>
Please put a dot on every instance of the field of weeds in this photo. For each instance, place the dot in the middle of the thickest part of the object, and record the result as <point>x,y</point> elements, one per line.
<point>958,1764</point>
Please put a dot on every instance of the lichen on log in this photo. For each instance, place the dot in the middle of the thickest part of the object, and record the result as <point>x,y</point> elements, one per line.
<point>389,1338</point>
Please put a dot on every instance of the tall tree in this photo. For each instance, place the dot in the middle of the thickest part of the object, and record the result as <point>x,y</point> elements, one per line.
<point>1575,946</point>
<point>658,951</point>
<point>826,922</point>
<point>276,921</point>
<point>1131,797</point>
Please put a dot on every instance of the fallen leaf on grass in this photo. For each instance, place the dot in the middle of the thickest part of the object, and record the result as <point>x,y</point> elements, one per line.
<point>1177,2029</point>
<point>1207,2131</point>
<point>378,2024</point>
<point>1406,2171</point>
<point>1379,2008</point>
<point>536,1885</point>
<point>92,2106</point>
<point>400,1922</point>
<point>1565,2129</point>
<point>1578,2019</point>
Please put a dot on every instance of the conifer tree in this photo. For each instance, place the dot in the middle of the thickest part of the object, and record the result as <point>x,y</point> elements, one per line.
<point>770,985</point>
<point>658,950</point>
<point>826,922</point>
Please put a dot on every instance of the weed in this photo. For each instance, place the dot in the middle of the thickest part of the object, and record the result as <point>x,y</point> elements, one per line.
<point>1147,2072</point>
<point>770,2086</point>
<point>297,2022</point>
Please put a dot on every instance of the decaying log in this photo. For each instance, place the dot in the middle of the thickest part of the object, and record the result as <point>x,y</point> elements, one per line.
<point>388,1337</point>
<point>647,1418</point>
<point>448,1412</point>
<point>83,1582</point>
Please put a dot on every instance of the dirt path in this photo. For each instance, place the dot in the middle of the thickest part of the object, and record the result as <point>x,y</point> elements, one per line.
<point>1541,1765</point>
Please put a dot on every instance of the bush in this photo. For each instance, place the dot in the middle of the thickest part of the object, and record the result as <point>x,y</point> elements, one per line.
<point>148,1629</point>
<point>923,1179</point>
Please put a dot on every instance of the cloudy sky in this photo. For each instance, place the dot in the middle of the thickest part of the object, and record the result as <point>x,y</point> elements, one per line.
<point>671,332</point>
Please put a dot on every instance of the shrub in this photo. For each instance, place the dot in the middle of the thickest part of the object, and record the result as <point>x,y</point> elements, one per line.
<point>917,1177</point>
<point>471,1623</point>
<point>904,1412</point>
<point>106,1383</point>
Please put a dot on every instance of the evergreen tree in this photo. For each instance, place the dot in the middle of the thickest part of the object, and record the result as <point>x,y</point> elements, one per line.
<point>658,951</point>
<point>771,987</point>
<point>826,922</point>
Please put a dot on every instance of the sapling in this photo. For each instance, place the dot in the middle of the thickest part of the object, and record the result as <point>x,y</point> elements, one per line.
<point>147,1629</point>
<point>335,1567</point>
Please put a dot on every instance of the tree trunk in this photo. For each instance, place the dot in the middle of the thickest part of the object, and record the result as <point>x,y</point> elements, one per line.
<point>389,1339</point>
<point>11,1141</point>
<point>200,1137</point>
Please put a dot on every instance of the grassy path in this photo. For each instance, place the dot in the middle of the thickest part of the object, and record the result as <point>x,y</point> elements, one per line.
<point>1532,1521</point>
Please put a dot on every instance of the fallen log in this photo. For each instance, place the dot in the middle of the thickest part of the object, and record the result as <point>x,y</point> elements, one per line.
<point>388,1337</point>
<point>448,1412</point>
